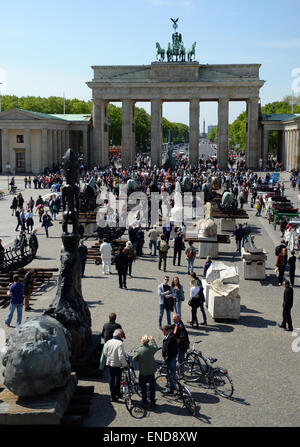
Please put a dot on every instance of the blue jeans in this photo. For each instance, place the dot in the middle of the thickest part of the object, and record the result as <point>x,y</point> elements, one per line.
<point>12,308</point>
<point>154,244</point>
<point>190,264</point>
<point>178,307</point>
<point>180,356</point>
<point>161,313</point>
<point>203,313</point>
<point>114,374</point>
<point>171,363</point>
<point>143,384</point>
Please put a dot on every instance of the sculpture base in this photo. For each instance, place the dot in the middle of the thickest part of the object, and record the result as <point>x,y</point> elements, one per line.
<point>40,410</point>
<point>223,308</point>
<point>227,224</point>
<point>254,269</point>
<point>208,247</point>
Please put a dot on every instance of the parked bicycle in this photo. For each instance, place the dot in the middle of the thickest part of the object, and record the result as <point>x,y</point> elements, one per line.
<point>197,368</point>
<point>163,378</point>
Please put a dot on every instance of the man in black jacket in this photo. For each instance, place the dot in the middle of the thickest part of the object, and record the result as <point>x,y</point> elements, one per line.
<point>178,246</point>
<point>121,262</point>
<point>169,353</point>
<point>238,233</point>
<point>287,306</point>
<point>83,252</point>
<point>110,327</point>
<point>182,337</point>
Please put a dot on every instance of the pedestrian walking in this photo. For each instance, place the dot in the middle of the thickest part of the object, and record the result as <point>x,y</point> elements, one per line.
<point>105,251</point>
<point>33,240</point>
<point>83,252</point>
<point>190,257</point>
<point>128,250</point>
<point>29,221</point>
<point>14,206</point>
<point>115,360</point>
<point>196,300</point>
<point>288,297</point>
<point>153,236</point>
<point>178,247</point>
<point>178,294</point>
<point>181,335</point>
<point>28,283</point>
<point>16,294</point>
<point>140,241</point>
<point>292,267</point>
<point>169,353</point>
<point>163,248</point>
<point>47,222</point>
<point>281,264</point>
<point>121,262</point>
<point>144,355</point>
<point>238,233</point>
<point>207,264</point>
<point>166,302</point>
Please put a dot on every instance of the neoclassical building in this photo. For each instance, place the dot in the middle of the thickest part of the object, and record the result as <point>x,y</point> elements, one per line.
<point>33,141</point>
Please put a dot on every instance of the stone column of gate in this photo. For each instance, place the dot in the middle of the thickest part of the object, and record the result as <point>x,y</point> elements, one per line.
<point>265,147</point>
<point>99,155</point>
<point>223,133</point>
<point>67,136</point>
<point>252,156</point>
<point>42,160</point>
<point>59,148</point>
<point>294,151</point>
<point>128,134</point>
<point>50,149</point>
<point>297,158</point>
<point>156,132</point>
<point>63,143</point>
<point>194,132</point>
<point>54,142</point>
<point>85,146</point>
<point>5,150</point>
<point>28,167</point>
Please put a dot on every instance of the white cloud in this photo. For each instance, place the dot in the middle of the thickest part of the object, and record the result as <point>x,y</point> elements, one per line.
<point>291,43</point>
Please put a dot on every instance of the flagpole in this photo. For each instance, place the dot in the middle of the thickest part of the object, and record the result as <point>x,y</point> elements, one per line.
<point>64,103</point>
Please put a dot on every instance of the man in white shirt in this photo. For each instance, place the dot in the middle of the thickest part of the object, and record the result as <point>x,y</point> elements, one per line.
<point>105,250</point>
<point>115,360</point>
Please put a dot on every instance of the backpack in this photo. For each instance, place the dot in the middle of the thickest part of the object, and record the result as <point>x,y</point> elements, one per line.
<point>163,246</point>
<point>190,253</point>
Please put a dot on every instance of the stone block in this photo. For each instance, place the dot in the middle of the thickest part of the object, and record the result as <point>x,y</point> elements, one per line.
<point>39,410</point>
<point>230,275</point>
<point>227,290</point>
<point>221,307</point>
<point>206,288</point>
<point>208,249</point>
<point>214,271</point>
<point>227,224</point>
<point>254,269</point>
<point>254,256</point>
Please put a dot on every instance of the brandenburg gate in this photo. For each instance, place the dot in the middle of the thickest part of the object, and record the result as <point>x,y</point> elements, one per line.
<point>178,80</point>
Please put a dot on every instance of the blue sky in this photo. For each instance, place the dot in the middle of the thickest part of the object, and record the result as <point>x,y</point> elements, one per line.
<point>48,47</point>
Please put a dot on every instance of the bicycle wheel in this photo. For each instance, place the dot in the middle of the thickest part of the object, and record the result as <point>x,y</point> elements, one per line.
<point>138,412</point>
<point>188,400</point>
<point>200,360</point>
<point>222,384</point>
<point>189,371</point>
<point>128,402</point>
<point>162,383</point>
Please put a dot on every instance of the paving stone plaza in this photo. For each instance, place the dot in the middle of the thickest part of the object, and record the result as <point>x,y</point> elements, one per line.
<point>262,359</point>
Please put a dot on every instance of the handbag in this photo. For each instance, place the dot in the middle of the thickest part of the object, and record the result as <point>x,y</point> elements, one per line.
<point>287,267</point>
<point>169,303</point>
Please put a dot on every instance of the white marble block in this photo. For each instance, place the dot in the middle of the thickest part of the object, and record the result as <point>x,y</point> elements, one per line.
<point>230,275</point>
<point>254,269</point>
<point>206,288</point>
<point>221,307</point>
<point>207,248</point>
<point>214,271</point>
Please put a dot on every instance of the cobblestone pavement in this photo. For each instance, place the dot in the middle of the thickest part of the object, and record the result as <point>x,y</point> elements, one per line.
<point>258,354</point>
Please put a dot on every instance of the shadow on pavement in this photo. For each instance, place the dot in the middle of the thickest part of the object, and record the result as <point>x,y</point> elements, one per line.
<point>253,321</point>
<point>247,310</point>
<point>102,411</point>
<point>270,280</point>
<point>139,290</point>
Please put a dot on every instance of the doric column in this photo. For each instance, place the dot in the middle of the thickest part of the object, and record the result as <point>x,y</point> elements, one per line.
<point>5,150</point>
<point>50,149</point>
<point>265,147</point>
<point>28,167</point>
<point>252,156</point>
<point>156,131</point>
<point>67,132</point>
<point>85,145</point>
<point>223,133</point>
<point>194,132</point>
<point>128,133</point>
<point>43,159</point>
<point>55,155</point>
<point>294,152</point>
<point>63,142</point>
<point>297,160</point>
<point>99,154</point>
<point>59,147</point>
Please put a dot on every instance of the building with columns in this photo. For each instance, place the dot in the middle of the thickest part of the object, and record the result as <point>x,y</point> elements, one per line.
<point>287,147</point>
<point>33,141</point>
<point>174,81</point>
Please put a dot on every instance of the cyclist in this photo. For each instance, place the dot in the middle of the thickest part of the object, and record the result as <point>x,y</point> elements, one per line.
<point>169,353</point>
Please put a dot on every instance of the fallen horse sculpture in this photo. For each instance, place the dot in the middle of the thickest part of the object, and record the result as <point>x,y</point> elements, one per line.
<point>16,258</point>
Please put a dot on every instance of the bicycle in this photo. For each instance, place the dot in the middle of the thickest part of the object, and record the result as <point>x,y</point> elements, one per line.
<point>129,385</point>
<point>163,381</point>
<point>196,367</point>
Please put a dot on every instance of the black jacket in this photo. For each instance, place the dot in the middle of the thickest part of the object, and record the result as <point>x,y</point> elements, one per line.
<point>178,242</point>
<point>108,330</point>
<point>288,298</point>
<point>121,261</point>
<point>169,347</point>
<point>181,336</point>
